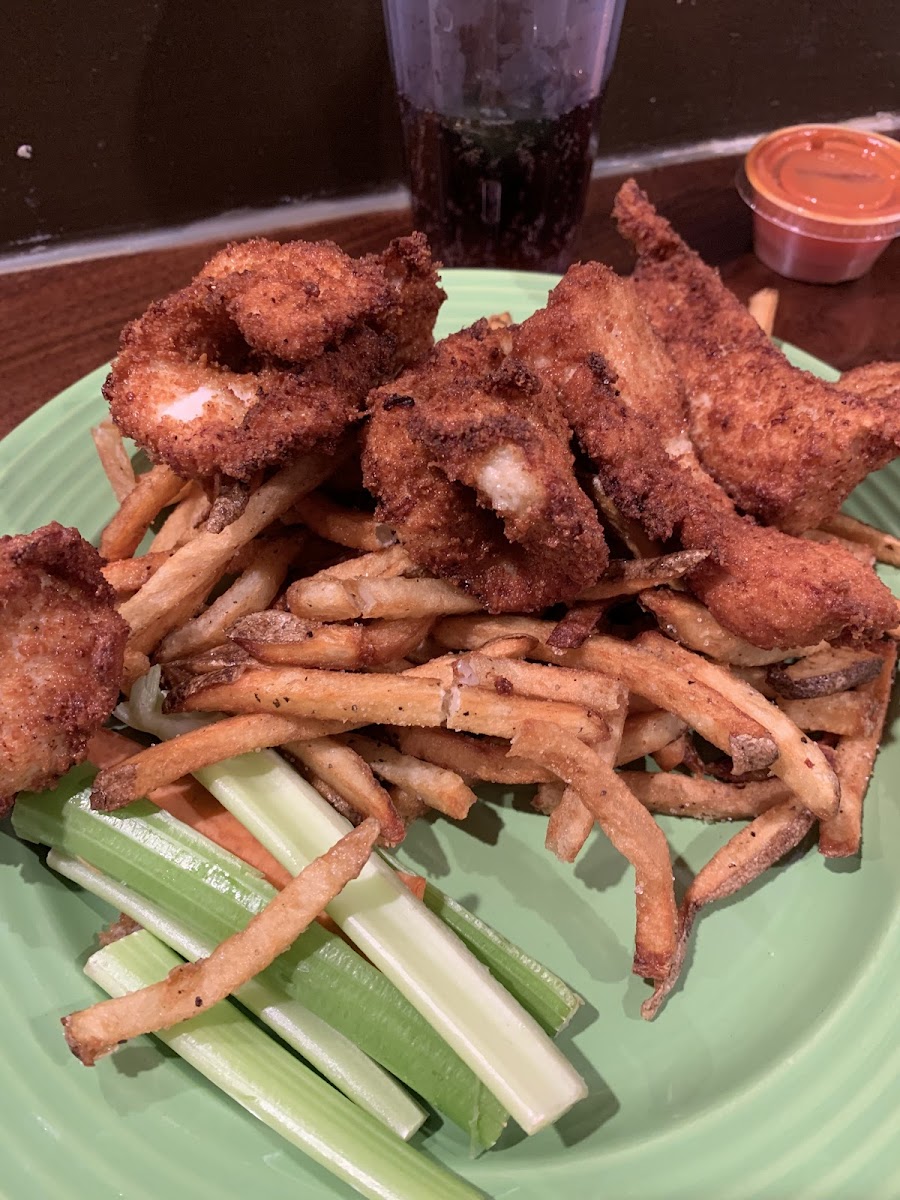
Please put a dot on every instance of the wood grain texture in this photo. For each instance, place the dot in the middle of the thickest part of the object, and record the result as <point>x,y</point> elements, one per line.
<point>60,322</point>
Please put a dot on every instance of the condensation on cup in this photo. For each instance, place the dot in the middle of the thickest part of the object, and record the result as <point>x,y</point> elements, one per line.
<point>498,100</point>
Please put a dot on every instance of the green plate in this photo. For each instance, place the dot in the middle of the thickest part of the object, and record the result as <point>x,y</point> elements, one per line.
<point>773,1072</point>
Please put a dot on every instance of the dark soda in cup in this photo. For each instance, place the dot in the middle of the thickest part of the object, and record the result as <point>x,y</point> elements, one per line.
<point>498,99</point>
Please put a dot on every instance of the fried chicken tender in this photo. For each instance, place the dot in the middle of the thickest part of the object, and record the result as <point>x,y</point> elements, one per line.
<point>61,653</point>
<point>876,381</point>
<point>270,352</point>
<point>625,401</point>
<point>469,459</point>
<point>786,446</point>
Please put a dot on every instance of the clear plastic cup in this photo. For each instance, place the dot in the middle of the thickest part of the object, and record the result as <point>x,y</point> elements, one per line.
<point>498,99</point>
<point>825,200</point>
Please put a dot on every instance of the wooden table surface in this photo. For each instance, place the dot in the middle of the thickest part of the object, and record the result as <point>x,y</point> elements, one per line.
<point>60,322</point>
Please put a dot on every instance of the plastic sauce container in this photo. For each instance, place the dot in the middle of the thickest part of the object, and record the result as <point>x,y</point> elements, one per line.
<point>825,200</point>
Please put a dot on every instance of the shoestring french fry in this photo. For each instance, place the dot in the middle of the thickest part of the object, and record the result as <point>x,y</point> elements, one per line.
<point>442,790</point>
<point>645,670</point>
<point>885,545</point>
<point>672,754</point>
<point>281,638</point>
<point>854,760</point>
<point>117,466</point>
<point>196,567</point>
<point>182,522</point>
<point>254,589</point>
<point>335,523</point>
<point>577,625</point>
<point>126,575</point>
<point>473,758</point>
<point>768,838</point>
<point>825,673</point>
<point>625,577</point>
<point>676,795</point>
<point>510,677</point>
<point>161,764</point>
<point>356,699</point>
<point>848,714</point>
<point>154,491</point>
<point>571,821</point>
<point>800,762</point>
<point>477,710</point>
<point>352,778</point>
<point>693,625</point>
<point>629,827</point>
<point>763,307</point>
<point>96,1031</point>
<point>645,733</point>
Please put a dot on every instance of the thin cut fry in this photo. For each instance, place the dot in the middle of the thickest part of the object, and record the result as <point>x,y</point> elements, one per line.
<point>672,754</point>
<point>182,522</point>
<point>126,575</point>
<point>885,545</point>
<point>97,1030</point>
<point>345,771</point>
<point>832,670</point>
<point>477,710</point>
<point>154,490</point>
<point>763,306</point>
<point>284,639</point>
<point>800,762</point>
<point>481,758</point>
<point>848,714</point>
<point>626,577</point>
<point>628,826</point>
<point>114,458</point>
<point>759,846</point>
<point>645,733</point>
<point>441,789</point>
<point>577,625</point>
<point>571,821</point>
<point>254,589</point>
<point>335,523</point>
<point>691,623</point>
<point>644,671</point>
<point>193,569</point>
<point>707,799</point>
<point>593,691</point>
<point>326,695</point>
<point>854,760</point>
<point>156,766</point>
<point>330,599</point>
<point>380,564</point>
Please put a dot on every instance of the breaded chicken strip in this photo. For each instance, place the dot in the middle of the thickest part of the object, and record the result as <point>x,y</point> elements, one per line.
<point>786,446</point>
<point>876,381</point>
<point>622,396</point>
<point>469,459</point>
<point>270,352</point>
<point>61,650</point>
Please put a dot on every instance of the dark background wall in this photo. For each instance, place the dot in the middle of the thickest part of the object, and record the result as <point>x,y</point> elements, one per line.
<point>141,114</point>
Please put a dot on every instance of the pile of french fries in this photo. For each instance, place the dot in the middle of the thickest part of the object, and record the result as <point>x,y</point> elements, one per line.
<point>308,626</point>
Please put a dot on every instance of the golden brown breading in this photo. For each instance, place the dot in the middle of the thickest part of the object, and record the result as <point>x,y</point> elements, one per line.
<point>270,352</point>
<point>786,446</point>
<point>877,381</point>
<point>61,651</point>
<point>470,461</point>
<point>624,399</point>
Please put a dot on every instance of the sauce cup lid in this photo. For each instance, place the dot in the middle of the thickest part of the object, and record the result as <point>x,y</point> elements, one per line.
<point>830,181</point>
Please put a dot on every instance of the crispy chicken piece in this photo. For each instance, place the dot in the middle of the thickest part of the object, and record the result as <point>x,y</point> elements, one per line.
<point>786,446</point>
<point>270,352</point>
<point>876,381</point>
<point>623,398</point>
<point>469,458</point>
<point>61,653</point>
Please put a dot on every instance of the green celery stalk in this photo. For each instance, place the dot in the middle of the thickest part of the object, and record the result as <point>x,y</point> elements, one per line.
<point>551,1002</point>
<point>215,894</point>
<point>332,1054</point>
<point>502,1044</point>
<point>265,1079</point>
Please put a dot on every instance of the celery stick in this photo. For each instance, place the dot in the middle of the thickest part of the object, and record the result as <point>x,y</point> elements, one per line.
<point>332,1054</point>
<point>502,1044</point>
<point>551,1002</point>
<point>214,894</point>
<point>265,1079</point>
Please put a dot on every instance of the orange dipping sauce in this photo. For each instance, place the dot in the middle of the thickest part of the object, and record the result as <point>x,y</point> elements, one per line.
<point>825,200</point>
